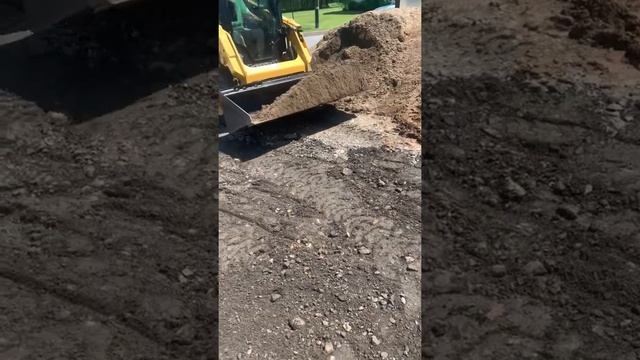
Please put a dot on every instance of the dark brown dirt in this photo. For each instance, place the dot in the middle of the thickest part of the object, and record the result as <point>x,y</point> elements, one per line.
<point>107,182</point>
<point>366,66</point>
<point>605,23</point>
<point>531,221</point>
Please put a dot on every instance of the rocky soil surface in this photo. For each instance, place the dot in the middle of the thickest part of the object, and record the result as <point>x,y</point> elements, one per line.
<point>319,244</point>
<point>531,152</point>
<point>108,175</point>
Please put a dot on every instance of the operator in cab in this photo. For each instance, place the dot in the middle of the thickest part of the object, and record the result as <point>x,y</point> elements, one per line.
<point>253,28</point>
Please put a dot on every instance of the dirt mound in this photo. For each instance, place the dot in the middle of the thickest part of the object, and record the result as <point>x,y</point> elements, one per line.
<point>607,24</point>
<point>319,88</point>
<point>373,57</point>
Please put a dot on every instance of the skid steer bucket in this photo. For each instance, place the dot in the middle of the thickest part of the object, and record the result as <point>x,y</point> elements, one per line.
<point>238,105</point>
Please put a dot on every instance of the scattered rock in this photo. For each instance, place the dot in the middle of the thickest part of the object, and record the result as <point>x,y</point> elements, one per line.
<point>328,347</point>
<point>347,171</point>
<point>514,190</point>
<point>413,266</point>
<point>364,250</point>
<point>296,323</point>
<point>567,211</point>
<point>346,326</point>
<point>275,297</point>
<point>498,270</point>
<point>375,340</point>
<point>89,171</point>
<point>187,272</point>
<point>588,189</point>
<point>615,107</point>
<point>58,118</point>
<point>535,268</point>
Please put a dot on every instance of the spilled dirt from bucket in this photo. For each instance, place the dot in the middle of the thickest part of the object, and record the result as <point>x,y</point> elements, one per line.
<point>316,89</point>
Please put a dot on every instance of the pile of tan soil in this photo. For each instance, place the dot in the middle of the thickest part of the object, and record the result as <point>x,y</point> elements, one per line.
<point>370,65</point>
<point>608,24</point>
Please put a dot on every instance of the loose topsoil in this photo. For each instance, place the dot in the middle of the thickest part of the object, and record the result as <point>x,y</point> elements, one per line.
<point>365,66</point>
<point>531,149</point>
<point>107,188</point>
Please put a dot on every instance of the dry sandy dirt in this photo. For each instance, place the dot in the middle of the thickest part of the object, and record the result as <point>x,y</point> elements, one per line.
<point>320,222</point>
<point>531,152</point>
<point>107,182</point>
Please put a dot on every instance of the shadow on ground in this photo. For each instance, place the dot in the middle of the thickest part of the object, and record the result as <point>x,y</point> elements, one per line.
<point>94,64</point>
<point>250,143</point>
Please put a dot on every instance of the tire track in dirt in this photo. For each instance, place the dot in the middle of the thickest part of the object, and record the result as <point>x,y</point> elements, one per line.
<point>106,309</point>
<point>312,184</point>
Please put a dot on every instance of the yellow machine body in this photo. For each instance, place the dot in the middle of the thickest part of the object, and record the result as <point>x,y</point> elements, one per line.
<point>251,87</point>
<point>247,75</point>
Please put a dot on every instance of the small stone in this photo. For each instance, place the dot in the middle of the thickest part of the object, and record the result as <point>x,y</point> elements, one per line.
<point>347,171</point>
<point>515,190</point>
<point>413,266</point>
<point>296,323</point>
<point>275,297</point>
<point>384,355</point>
<point>346,326</point>
<point>381,183</point>
<point>588,189</point>
<point>567,211</point>
<point>498,270</point>
<point>535,268</point>
<point>559,187</point>
<point>89,171</point>
<point>375,340</point>
<point>364,251</point>
<point>187,272</point>
<point>58,117</point>
<point>328,347</point>
<point>614,107</point>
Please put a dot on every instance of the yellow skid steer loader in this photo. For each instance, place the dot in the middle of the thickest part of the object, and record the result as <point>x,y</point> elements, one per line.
<point>262,55</point>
